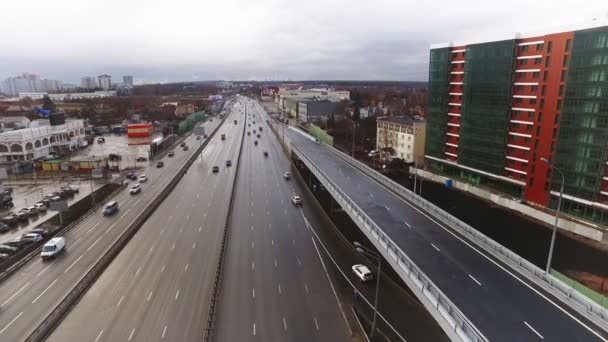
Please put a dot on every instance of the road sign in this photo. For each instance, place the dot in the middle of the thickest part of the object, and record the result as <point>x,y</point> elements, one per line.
<point>199,130</point>
<point>60,205</point>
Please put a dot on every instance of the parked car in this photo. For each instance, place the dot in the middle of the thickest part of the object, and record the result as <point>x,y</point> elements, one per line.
<point>5,249</point>
<point>131,175</point>
<point>216,169</point>
<point>362,272</point>
<point>22,216</point>
<point>135,189</point>
<point>4,257</point>
<point>75,188</point>
<point>143,178</point>
<point>40,231</point>
<point>141,159</point>
<point>10,219</point>
<point>53,247</point>
<point>8,189</point>
<point>17,243</point>
<point>40,206</point>
<point>45,201</point>
<point>160,164</point>
<point>296,200</point>
<point>4,227</point>
<point>32,210</point>
<point>171,154</point>
<point>110,208</point>
<point>32,237</point>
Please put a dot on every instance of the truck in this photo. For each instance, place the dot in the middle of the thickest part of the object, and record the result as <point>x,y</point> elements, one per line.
<point>223,136</point>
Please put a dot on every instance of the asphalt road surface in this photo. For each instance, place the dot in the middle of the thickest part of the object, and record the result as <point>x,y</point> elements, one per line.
<point>494,298</point>
<point>158,287</point>
<point>32,292</point>
<point>274,287</point>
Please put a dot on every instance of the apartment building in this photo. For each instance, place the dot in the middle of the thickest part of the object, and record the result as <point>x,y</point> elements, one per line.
<point>404,135</point>
<point>496,108</point>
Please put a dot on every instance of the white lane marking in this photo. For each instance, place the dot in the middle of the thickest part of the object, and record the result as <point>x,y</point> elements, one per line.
<point>293,242</point>
<point>181,229</point>
<point>387,208</point>
<point>252,265</point>
<point>270,226</point>
<point>200,229</point>
<point>95,225</point>
<point>252,204</point>
<point>138,270</point>
<point>475,280</point>
<point>284,324</point>
<point>299,262</point>
<point>272,242</point>
<point>251,227</point>
<point>162,269</point>
<point>11,322</point>
<point>407,224</point>
<point>75,242</point>
<point>275,262</point>
<point>94,243</point>
<point>162,231</point>
<point>438,250</point>
<point>306,287</point>
<point>371,195</point>
<point>43,292</point>
<point>252,244</point>
<point>170,217</point>
<point>72,265</point>
<point>131,334</point>
<point>149,296</point>
<point>252,214</point>
<point>316,323</point>
<point>15,294</point>
<point>99,336</point>
<point>120,301</point>
<point>193,245</point>
<point>164,331</point>
<point>253,292</point>
<point>186,268</point>
<point>187,217</point>
<point>254,329</point>
<point>173,246</point>
<point>151,249</point>
<point>534,330</point>
<point>177,295</point>
<point>280,292</point>
<point>134,204</point>
<point>197,196</point>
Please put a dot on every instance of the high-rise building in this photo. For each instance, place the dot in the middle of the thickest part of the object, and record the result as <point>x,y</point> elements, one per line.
<point>28,83</point>
<point>496,108</point>
<point>88,82</point>
<point>105,81</point>
<point>128,80</point>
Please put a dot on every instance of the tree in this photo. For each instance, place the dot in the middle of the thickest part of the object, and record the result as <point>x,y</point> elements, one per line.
<point>48,104</point>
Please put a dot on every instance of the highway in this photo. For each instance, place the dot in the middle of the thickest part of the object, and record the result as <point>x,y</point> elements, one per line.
<point>158,287</point>
<point>31,293</point>
<point>498,301</point>
<point>274,287</point>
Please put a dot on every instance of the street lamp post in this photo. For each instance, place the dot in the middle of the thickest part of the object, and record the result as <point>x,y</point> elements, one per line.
<point>363,250</point>
<point>559,206</point>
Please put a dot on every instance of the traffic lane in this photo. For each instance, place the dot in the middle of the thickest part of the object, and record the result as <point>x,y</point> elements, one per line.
<point>505,285</point>
<point>163,211</point>
<point>47,291</point>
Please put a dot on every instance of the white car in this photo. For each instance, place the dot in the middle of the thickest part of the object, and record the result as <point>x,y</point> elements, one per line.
<point>33,237</point>
<point>135,189</point>
<point>296,200</point>
<point>286,175</point>
<point>363,273</point>
<point>40,207</point>
<point>143,178</point>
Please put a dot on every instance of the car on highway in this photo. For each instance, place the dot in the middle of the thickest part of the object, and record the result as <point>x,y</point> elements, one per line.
<point>160,164</point>
<point>182,144</point>
<point>141,159</point>
<point>287,175</point>
<point>198,137</point>
<point>362,272</point>
<point>53,247</point>
<point>259,136</point>
<point>296,200</point>
<point>171,154</point>
<point>143,178</point>
<point>228,162</point>
<point>40,206</point>
<point>185,148</point>
<point>260,128</point>
<point>265,153</point>
<point>135,189</point>
<point>75,188</point>
<point>205,136</point>
<point>4,227</point>
<point>248,133</point>
<point>31,237</point>
<point>255,142</point>
<point>110,208</point>
<point>131,175</point>
<point>216,169</point>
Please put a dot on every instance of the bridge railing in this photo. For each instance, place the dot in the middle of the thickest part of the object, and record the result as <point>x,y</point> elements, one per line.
<point>566,293</point>
<point>452,320</point>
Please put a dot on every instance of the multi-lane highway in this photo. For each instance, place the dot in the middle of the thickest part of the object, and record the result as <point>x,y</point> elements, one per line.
<point>31,293</point>
<point>274,287</point>
<point>158,287</point>
<point>501,304</point>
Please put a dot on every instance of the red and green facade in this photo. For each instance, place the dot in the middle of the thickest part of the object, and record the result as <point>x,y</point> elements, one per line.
<point>496,108</point>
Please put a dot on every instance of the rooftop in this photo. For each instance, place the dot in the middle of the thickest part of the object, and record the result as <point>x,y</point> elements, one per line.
<point>402,120</point>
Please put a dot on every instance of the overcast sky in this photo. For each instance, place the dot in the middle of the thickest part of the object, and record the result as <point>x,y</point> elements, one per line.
<point>188,40</point>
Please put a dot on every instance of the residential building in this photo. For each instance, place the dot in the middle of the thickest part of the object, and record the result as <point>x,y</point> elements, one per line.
<point>27,82</point>
<point>127,80</point>
<point>312,111</point>
<point>182,110</point>
<point>10,123</point>
<point>105,82</point>
<point>405,135</point>
<point>69,96</point>
<point>88,82</point>
<point>38,142</point>
<point>496,108</point>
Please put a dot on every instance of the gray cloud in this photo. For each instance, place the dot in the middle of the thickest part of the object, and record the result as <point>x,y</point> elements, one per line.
<point>187,40</point>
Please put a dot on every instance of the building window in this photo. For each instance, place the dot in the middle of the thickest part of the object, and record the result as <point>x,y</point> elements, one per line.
<point>545,76</point>
<point>539,46</point>
<point>542,103</point>
<point>548,61</point>
<point>563,78</point>
<point>537,131</point>
<point>561,90</point>
<point>518,100</point>
<point>534,88</point>
<point>566,58</point>
<point>556,119</point>
<point>537,61</point>
<point>559,104</point>
<point>523,62</point>
<point>532,101</point>
<point>544,91</point>
<point>540,117</point>
<point>525,48</point>
<point>549,47</point>
<point>568,44</point>
<point>535,74</point>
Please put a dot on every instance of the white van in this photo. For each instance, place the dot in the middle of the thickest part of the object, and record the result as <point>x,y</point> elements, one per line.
<point>53,247</point>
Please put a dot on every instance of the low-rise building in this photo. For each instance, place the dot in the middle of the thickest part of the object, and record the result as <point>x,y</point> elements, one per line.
<point>10,123</point>
<point>312,111</point>
<point>38,142</point>
<point>69,96</point>
<point>405,135</point>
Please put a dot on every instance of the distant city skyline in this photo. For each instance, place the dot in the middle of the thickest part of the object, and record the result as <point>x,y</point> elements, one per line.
<point>261,40</point>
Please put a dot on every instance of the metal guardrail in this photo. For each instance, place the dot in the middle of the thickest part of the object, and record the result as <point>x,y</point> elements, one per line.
<point>63,307</point>
<point>210,325</point>
<point>566,293</point>
<point>453,318</point>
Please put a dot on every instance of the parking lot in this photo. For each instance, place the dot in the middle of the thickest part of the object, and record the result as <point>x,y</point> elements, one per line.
<point>128,148</point>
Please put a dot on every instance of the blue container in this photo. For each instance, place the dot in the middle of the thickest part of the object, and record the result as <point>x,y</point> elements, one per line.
<point>448,183</point>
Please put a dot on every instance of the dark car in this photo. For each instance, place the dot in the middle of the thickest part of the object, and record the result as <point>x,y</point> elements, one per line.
<point>5,249</point>
<point>186,148</point>
<point>132,176</point>
<point>228,162</point>
<point>40,231</point>
<point>182,144</point>
<point>255,142</point>
<point>17,243</point>
<point>10,220</point>
<point>265,153</point>
<point>22,216</point>
<point>65,193</point>
<point>205,136</point>
<point>248,133</point>
<point>141,159</point>
<point>4,227</point>
<point>4,257</point>
<point>198,137</point>
<point>45,201</point>
<point>171,154</point>
<point>160,164</point>
<point>259,136</point>
<point>8,189</point>
<point>216,169</point>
